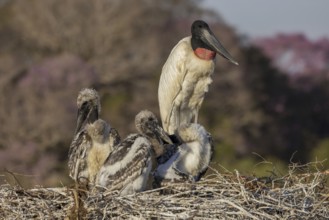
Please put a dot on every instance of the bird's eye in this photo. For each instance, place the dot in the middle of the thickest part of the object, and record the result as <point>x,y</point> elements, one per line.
<point>151,119</point>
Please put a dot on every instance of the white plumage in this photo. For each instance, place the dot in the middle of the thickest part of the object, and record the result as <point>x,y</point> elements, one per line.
<point>129,166</point>
<point>101,146</point>
<point>186,76</point>
<point>184,81</point>
<point>192,157</point>
<point>93,141</point>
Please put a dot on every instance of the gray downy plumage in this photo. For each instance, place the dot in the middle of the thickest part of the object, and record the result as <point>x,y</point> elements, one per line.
<point>128,167</point>
<point>191,159</point>
<point>93,141</point>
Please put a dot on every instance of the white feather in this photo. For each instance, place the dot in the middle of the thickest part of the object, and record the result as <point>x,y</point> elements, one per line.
<point>166,170</point>
<point>192,157</point>
<point>140,183</point>
<point>183,83</point>
<point>107,170</point>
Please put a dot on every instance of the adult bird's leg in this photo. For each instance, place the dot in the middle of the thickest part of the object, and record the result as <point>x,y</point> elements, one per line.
<point>196,115</point>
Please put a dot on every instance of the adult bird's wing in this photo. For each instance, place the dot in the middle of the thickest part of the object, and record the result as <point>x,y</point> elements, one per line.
<point>78,151</point>
<point>170,85</point>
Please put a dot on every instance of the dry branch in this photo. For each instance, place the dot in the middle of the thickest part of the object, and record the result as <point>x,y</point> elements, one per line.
<point>219,196</point>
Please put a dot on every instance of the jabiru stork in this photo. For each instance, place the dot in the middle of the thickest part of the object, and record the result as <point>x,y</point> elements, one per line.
<point>186,76</point>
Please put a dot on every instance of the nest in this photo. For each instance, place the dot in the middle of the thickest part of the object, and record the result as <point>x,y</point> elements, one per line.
<point>218,196</point>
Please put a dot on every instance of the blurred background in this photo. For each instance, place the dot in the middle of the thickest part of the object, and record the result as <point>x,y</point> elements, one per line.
<point>271,110</point>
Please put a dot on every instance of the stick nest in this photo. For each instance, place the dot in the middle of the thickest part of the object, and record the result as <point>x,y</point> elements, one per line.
<point>298,195</point>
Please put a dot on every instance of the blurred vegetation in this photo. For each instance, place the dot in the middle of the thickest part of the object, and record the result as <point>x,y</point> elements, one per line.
<point>50,49</point>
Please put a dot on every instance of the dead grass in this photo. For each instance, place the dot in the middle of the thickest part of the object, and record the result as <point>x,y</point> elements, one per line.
<point>301,194</point>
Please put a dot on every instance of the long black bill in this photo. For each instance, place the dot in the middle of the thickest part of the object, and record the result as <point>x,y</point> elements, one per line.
<point>88,113</point>
<point>209,38</point>
<point>163,135</point>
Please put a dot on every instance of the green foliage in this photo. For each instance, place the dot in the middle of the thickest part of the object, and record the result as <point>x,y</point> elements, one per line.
<point>249,108</point>
<point>321,153</point>
<point>114,103</point>
<point>253,164</point>
<point>5,14</point>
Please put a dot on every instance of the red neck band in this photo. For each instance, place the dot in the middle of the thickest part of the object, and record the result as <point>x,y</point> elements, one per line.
<point>204,54</point>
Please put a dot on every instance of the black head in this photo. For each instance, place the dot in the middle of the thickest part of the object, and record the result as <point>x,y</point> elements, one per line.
<point>203,37</point>
<point>197,28</point>
<point>197,31</point>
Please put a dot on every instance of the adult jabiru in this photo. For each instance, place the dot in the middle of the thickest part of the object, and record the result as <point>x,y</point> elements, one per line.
<point>186,76</point>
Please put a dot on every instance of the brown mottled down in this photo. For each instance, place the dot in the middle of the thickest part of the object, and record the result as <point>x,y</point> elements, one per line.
<point>128,167</point>
<point>93,141</point>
